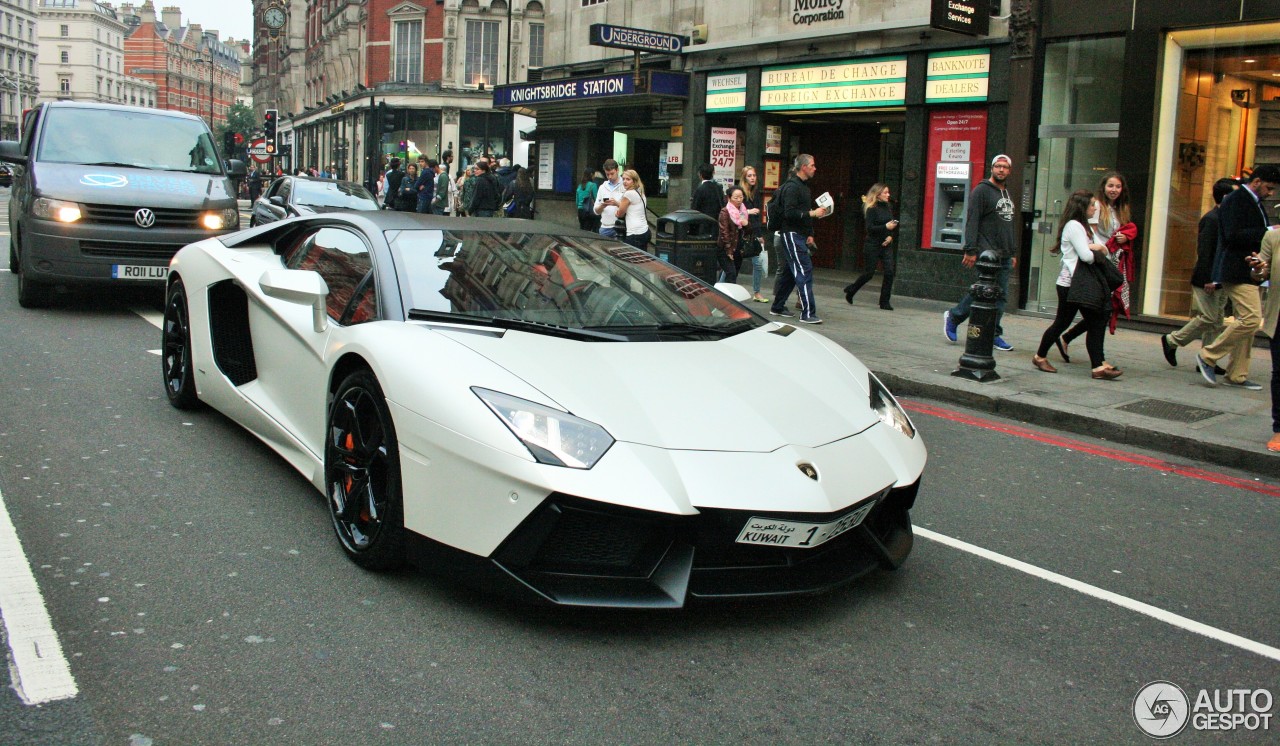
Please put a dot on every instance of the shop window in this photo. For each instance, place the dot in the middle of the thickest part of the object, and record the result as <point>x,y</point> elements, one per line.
<point>408,52</point>
<point>535,44</point>
<point>481,65</point>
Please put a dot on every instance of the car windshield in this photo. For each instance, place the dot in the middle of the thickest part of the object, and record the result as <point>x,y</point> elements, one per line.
<point>342,194</point>
<point>151,141</point>
<point>561,281</point>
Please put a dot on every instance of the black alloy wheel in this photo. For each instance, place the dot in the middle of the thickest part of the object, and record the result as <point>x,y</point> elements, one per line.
<point>175,353</point>
<point>362,474</point>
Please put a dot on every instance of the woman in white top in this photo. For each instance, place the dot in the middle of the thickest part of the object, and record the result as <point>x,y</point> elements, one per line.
<point>1111,210</point>
<point>632,205</point>
<point>1079,245</point>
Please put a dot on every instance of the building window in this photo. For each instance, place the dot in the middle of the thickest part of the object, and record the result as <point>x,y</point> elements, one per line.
<point>535,44</point>
<point>482,53</point>
<point>589,3</point>
<point>64,57</point>
<point>64,85</point>
<point>65,30</point>
<point>408,52</point>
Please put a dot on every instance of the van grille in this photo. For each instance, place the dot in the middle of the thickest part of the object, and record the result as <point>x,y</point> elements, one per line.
<point>122,250</point>
<point>123,215</point>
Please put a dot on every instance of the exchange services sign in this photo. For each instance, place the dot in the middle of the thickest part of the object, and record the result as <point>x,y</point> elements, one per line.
<point>971,17</point>
<point>621,37</point>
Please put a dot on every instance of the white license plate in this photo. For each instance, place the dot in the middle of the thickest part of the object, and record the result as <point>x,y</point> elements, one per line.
<point>139,272</point>
<point>775,532</point>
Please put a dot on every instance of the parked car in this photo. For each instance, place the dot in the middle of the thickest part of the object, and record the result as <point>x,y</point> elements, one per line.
<point>291,196</point>
<point>558,413</point>
<point>6,175</point>
<point>106,195</point>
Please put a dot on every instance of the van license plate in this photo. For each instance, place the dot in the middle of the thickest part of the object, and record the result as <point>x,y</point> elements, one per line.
<point>139,272</point>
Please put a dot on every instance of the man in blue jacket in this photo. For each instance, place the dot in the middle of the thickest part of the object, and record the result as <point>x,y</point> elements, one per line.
<point>1242,222</point>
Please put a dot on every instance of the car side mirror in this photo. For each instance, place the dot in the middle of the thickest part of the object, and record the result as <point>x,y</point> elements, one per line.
<point>301,286</point>
<point>277,200</point>
<point>11,152</point>
<point>734,290</point>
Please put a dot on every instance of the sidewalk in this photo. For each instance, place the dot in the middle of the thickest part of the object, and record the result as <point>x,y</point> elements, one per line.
<point>1154,406</point>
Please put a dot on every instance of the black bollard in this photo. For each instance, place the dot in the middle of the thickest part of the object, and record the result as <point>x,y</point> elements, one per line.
<point>977,362</point>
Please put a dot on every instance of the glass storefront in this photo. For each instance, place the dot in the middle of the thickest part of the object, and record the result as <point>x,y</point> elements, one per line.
<point>1219,117</point>
<point>1079,126</point>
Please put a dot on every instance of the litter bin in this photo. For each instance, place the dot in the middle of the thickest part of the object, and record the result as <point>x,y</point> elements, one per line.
<point>687,239</point>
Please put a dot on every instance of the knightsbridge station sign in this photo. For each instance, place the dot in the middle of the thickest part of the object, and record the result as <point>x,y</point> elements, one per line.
<point>641,40</point>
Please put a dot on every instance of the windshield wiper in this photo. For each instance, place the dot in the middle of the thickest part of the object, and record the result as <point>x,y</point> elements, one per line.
<point>685,329</point>
<point>524,325</point>
<point>119,164</point>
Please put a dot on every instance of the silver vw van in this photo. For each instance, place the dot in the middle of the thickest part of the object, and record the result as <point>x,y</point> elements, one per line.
<point>106,194</point>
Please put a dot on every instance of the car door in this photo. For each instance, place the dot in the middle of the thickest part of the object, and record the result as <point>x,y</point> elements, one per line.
<point>292,368</point>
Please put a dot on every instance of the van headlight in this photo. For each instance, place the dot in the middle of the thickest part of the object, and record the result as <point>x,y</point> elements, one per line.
<point>552,437</point>
<point>56,209</point>
<point>216,220</point>
<point>888,409</point>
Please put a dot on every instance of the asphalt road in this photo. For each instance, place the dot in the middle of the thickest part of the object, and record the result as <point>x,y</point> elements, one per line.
<point>200,597</point>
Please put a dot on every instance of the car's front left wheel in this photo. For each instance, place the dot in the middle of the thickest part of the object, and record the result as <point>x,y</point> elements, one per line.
<point>362,474</point>
<point>175,353</point>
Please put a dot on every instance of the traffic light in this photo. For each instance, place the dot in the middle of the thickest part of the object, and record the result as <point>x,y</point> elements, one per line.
<point>386,117</point>
<point>228,142</point>
<point>269,129</point>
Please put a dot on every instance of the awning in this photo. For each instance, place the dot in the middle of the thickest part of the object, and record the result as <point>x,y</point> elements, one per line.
<point>527,98</point>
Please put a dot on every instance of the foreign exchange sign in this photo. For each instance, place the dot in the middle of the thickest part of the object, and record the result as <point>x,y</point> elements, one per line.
<point>641,40</point>
<point>837,85</point>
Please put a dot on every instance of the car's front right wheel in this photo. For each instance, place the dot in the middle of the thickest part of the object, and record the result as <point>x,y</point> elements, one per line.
<point>362,474</point>
<point>175,352</point>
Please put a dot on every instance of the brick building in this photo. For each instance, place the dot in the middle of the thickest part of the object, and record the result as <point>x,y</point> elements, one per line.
<point>193,70</point>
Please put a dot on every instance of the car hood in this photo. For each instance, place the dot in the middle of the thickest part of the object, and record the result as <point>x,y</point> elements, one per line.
<point>756,391</point>
<point>129,186</point>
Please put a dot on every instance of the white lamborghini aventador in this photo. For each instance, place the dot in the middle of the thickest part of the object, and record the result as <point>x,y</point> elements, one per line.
<point>552,410</point>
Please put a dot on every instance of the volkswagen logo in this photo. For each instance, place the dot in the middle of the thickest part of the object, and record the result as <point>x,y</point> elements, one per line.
<point>144,217</point>
<point>809,470</point>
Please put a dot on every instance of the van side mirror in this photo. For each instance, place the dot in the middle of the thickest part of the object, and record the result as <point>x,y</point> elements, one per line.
<point>11,152</point>
<point>236,169</point>
<point>301,286</point>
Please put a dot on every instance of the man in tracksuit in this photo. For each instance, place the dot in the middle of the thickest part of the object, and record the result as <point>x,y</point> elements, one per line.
<point>794,199</point>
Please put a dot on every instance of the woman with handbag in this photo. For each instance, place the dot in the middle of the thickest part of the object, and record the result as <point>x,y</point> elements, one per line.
<point>633,207</point>
<point>753,235</point>
<point>878,247</point>
<point>1081,287</point>
<point>1113,226</point>
<point>733,221</point>
<point>585,197</point>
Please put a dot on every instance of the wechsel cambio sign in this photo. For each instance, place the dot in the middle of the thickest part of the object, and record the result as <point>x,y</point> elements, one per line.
<point>621,37</point>
<point>838,85</point>
<point>727,92</point>
<point>957,76</point>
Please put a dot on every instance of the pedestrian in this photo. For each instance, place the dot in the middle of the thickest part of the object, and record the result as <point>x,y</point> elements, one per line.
<point>988,226</point>
<point>1270,316</point>
<point>392,181</point>
<point>521,193</point>
<point>607,196</point>
<point>795,222</point>
<point>733,223</point>
<point>1079,245</point>
<point>255,184</point>
<point>407,193</point>
<point>506,173</point>
<point>878,245</point>
<point>426,185</point>
<point>1113,226</point>
<point>441,204</point>
<point>753,243</point>
<point>1207,305</point>
<point>585,199</point>
<point>1242,222</point>
<point>708,198</point>
<point>486,199</point>
<point>466,188</point>
<point>633,206</point>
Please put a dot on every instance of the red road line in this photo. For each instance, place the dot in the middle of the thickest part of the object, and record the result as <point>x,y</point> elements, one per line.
<point>1093,449</point>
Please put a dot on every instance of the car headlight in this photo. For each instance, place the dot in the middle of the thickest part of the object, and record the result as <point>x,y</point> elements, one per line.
<point>216,220</point>
<point>56,209</point>
<point>553,437</point>
<point>888,409</point>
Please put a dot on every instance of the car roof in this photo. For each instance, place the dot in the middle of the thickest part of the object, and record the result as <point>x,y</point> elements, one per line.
<point>119,107</point>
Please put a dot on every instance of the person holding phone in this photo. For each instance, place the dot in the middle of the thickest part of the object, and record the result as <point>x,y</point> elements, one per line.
<point>878,246</point>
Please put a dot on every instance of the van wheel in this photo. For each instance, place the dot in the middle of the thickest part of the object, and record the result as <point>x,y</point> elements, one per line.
<point>32,294</point>
<point>13,256</point>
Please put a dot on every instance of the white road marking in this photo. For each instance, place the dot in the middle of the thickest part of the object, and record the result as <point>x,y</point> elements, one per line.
<point>1159,614</point>
<point>39,671</point>
<point>155,318</point>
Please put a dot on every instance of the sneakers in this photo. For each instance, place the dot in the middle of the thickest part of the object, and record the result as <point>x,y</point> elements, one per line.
<point>1170,350</point>
<point>1273,445</point>
<point>1206,371</point>
<point>1245,384</point>
<point>1002,345</point>
<point>810,320</point>
<point>760,299</point>
<point>780,312</point>
<point>948,327</point>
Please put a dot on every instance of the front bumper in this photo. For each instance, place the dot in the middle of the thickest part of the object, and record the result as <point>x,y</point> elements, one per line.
<point>87,253</point>
<point>582,553</point>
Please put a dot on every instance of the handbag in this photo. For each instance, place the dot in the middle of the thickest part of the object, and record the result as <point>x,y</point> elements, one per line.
<point>750,247</point>
<point>1110,275</point>
<point>1088,288</point>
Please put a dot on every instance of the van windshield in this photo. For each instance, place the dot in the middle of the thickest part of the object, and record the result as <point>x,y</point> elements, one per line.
<point>135,139</point>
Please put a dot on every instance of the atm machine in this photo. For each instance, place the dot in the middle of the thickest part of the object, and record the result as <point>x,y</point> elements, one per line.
<point>951,195</point>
